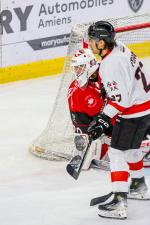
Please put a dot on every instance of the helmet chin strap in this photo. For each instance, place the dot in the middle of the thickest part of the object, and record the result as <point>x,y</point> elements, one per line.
<point>100,49</point>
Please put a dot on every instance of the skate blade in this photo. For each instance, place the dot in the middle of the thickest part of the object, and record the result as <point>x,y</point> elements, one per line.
<point>114,214</point>
<point>139,196</point>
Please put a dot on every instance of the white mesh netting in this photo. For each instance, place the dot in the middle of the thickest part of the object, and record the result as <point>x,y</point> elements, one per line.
<point>56,141</point>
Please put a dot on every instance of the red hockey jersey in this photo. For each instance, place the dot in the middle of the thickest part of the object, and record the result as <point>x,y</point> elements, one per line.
<point>88,100</point>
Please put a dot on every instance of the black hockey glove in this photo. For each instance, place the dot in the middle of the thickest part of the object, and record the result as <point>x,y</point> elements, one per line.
<point>100,125</point>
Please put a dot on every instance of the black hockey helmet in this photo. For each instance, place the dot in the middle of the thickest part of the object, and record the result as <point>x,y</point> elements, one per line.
<point>102,30</point>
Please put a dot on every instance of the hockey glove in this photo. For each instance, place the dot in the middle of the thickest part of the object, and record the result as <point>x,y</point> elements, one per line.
<point>100,125</point>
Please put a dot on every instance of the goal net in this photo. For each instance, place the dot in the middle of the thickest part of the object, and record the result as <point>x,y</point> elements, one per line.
<point>56,140</point>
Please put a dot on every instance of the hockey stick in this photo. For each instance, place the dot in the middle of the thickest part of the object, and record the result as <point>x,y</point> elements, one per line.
<point>101,199</point>
<point>75,165</point>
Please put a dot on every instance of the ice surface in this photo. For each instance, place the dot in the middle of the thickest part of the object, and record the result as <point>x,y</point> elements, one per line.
<point>39,192</point>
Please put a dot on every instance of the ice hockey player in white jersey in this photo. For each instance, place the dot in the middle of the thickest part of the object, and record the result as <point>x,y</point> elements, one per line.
<point>128,86</point>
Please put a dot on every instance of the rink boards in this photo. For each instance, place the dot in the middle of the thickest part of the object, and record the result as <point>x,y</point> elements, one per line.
<point>54,66</point>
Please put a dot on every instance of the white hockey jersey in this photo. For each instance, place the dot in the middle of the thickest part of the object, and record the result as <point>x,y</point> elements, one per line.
<point>127,83</point>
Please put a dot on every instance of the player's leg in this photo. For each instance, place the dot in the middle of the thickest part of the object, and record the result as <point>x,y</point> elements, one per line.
<point>138,188</point>
<point>93,154</point>
<point>97,156</point>
<point>127,134</point>
<point>115,206</point>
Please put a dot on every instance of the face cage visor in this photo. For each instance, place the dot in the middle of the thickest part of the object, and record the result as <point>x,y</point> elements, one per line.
<point>81,75</point>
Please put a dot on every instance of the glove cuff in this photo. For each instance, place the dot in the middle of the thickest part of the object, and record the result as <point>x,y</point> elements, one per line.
<point>110,111</point>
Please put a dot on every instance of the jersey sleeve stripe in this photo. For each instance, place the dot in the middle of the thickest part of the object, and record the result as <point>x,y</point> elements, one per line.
<point>137,108</point>
<point>118,107</point>
<point>131,110</point>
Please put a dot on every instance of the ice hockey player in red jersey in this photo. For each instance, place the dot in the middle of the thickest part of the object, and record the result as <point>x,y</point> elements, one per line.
<point>128,87</point>
<point>86,98</point>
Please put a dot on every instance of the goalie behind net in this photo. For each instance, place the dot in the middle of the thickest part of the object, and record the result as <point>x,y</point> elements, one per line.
<point>56,141</point>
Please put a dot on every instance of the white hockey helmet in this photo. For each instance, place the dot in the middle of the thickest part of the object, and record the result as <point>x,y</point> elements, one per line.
<point>84,64</point>
<point>84,58</point>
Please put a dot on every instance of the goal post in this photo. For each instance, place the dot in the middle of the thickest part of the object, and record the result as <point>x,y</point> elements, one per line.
<point>56,140</point>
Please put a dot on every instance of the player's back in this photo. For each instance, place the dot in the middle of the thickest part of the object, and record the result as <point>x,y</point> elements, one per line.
<point>132,81</point>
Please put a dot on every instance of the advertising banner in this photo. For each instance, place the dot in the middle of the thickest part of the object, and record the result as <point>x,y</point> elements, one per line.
<point>34,30</point>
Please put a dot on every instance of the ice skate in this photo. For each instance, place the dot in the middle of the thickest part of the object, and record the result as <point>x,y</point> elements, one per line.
<point>138,189</point>
<point>117,208</point>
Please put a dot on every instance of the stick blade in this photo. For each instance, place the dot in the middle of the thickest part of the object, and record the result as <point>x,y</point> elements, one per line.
<point>101,199</point>
<point>72,172</point>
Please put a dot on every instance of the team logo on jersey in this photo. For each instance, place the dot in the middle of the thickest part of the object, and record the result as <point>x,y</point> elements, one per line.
<point>135,5</point>
<point>90,101</point>
<point>112,85</point>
